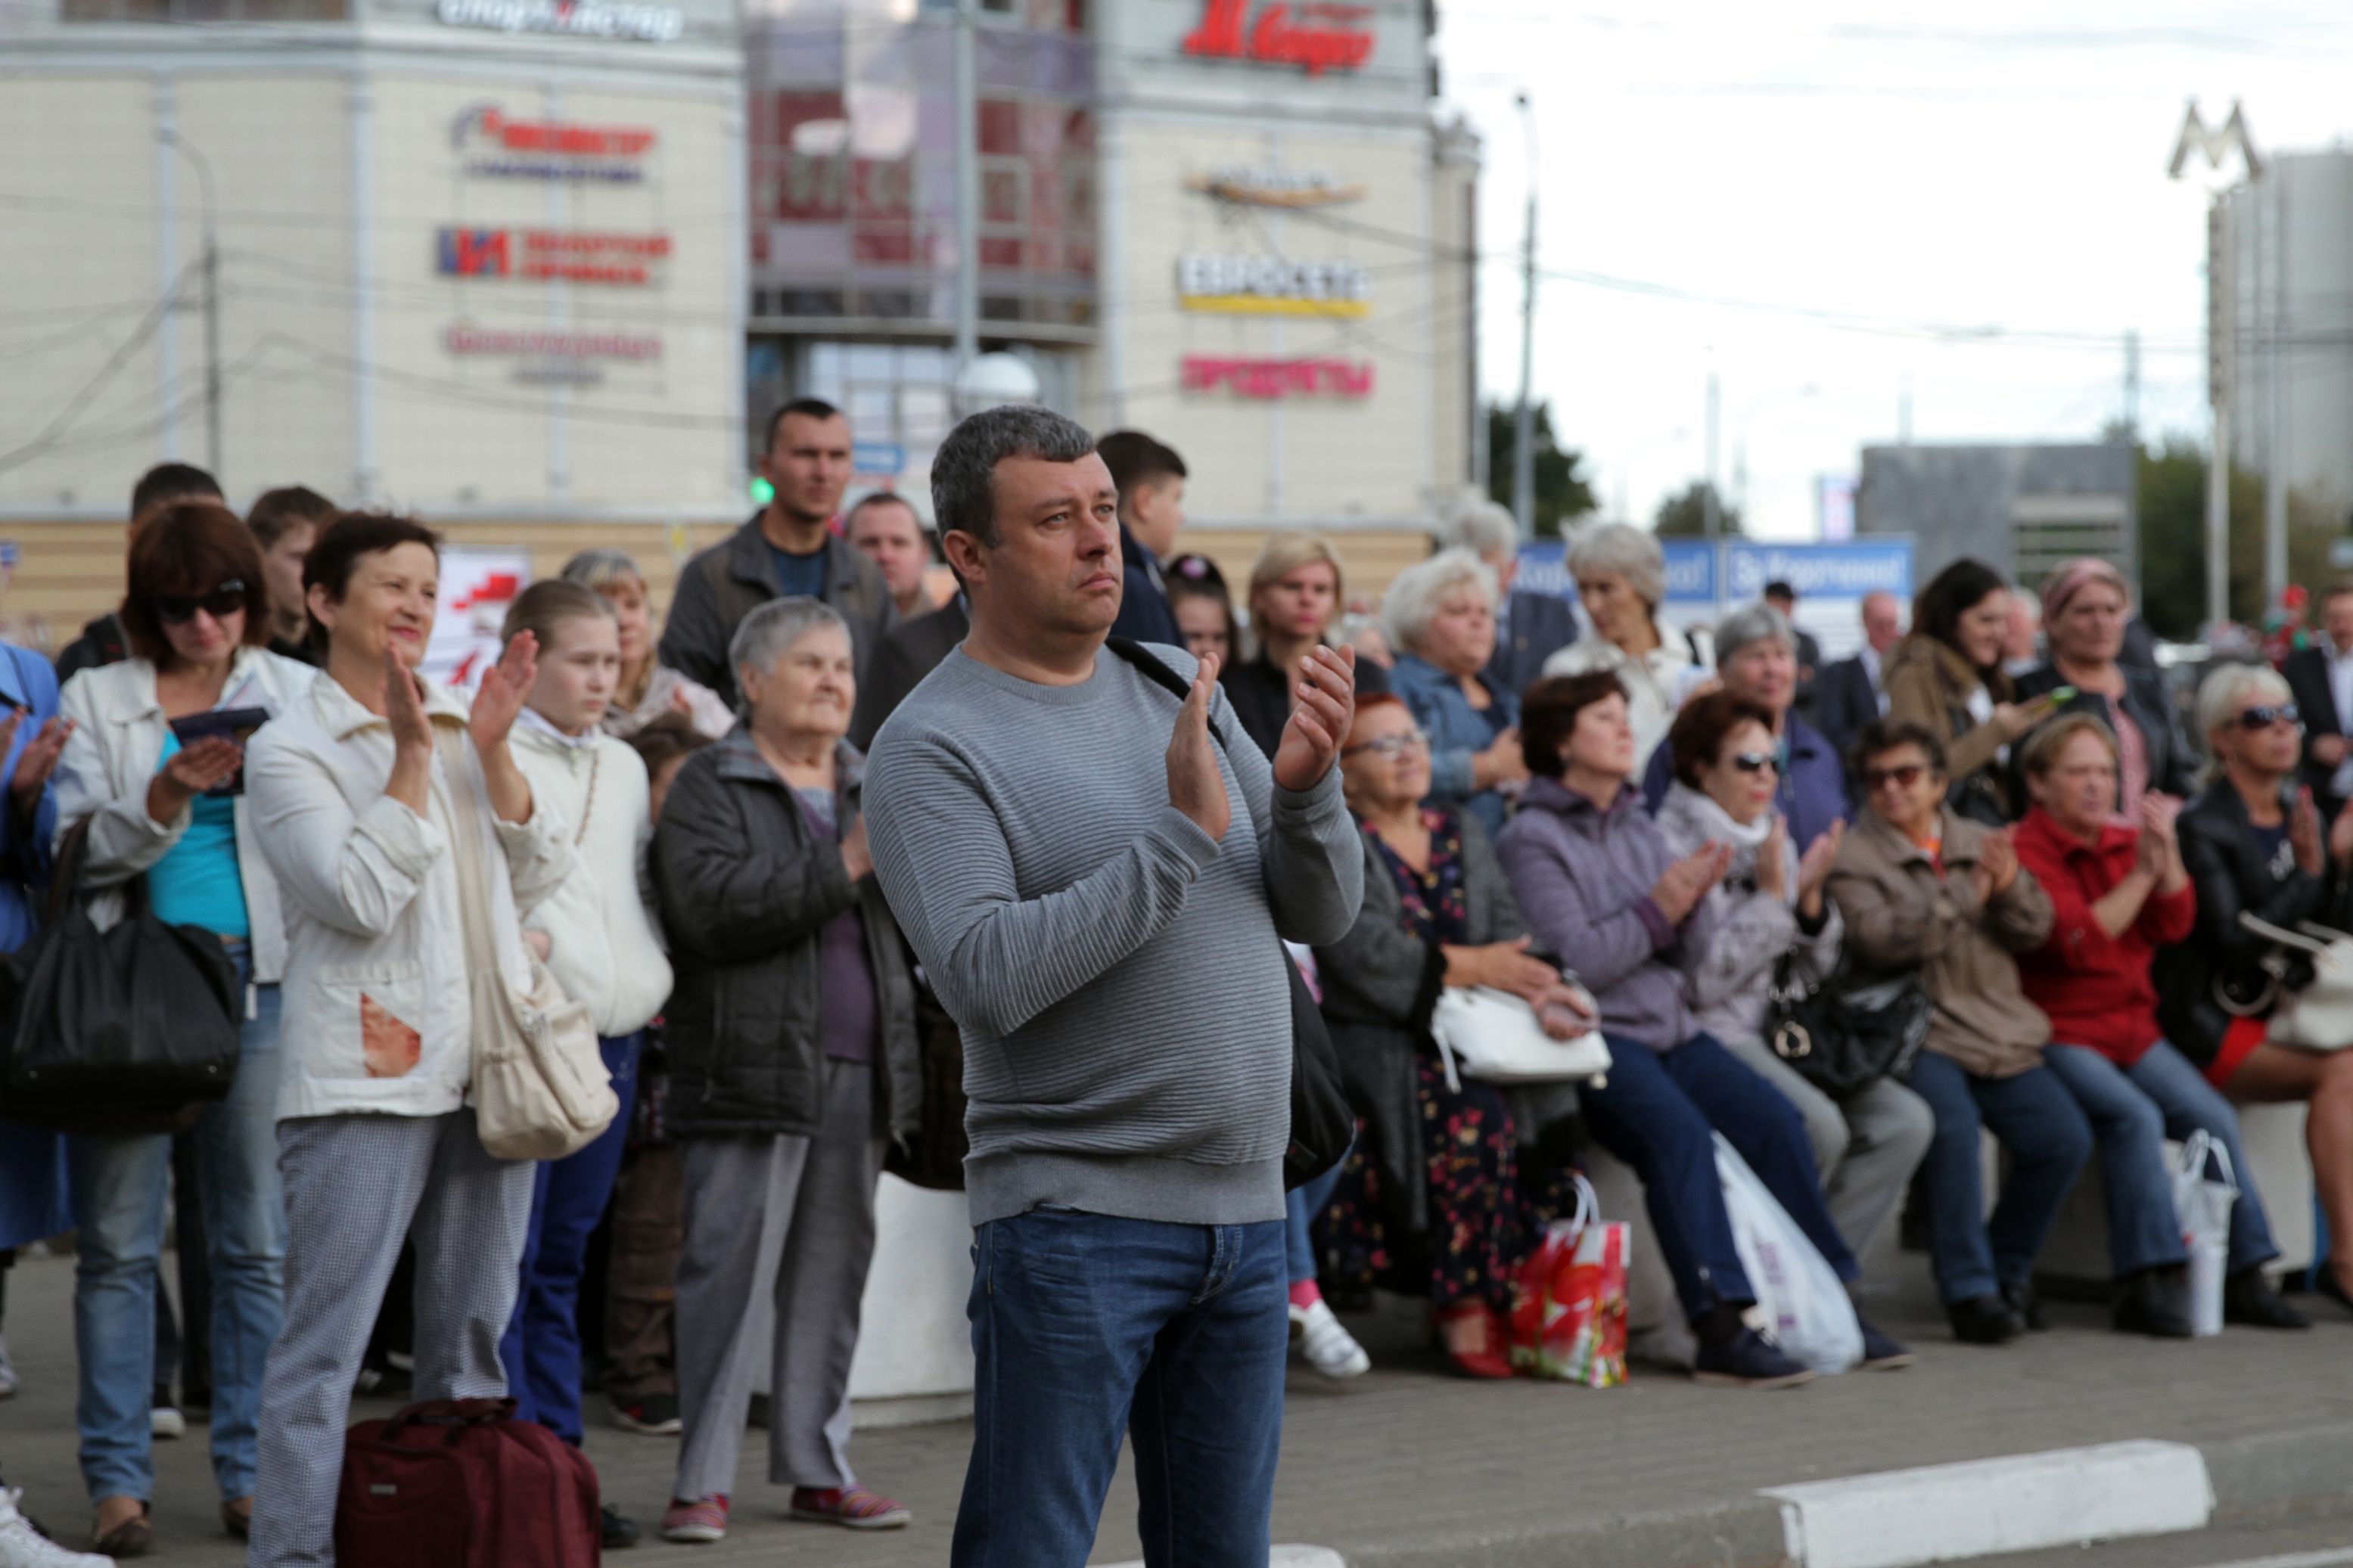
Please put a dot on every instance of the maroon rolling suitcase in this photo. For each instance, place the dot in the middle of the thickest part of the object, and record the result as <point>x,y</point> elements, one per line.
<point>462,1482</point>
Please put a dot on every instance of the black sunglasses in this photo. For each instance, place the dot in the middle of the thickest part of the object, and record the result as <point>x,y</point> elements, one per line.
<point>225,599</point>
<point>1904,776</point>
<point>2264,715</point>
<point>1756,762</point>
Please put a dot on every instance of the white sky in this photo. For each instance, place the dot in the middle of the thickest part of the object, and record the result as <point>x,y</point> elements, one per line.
<point>2000,163</point>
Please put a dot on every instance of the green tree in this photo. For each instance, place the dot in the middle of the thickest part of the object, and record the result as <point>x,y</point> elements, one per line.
<point>1683,515</point>
<point>1561,493</point>
<point>2173,539</point>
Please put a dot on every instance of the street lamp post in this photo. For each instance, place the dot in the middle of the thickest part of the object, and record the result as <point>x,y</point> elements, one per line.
<point>210,267</point>
<point>1524,423</point>
<point>2216,146</point>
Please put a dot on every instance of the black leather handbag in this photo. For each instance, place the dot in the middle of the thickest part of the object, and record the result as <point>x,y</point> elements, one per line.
<point>1846,1034</point>
<point>126,1030</point>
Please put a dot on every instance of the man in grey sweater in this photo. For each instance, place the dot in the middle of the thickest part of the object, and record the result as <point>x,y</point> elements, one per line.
<point>1095,882</point>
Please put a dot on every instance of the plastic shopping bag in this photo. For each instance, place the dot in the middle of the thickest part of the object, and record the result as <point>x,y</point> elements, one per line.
<point>1568,1314</point>
<point>2202,1203</point>
<point>1804,1305</point>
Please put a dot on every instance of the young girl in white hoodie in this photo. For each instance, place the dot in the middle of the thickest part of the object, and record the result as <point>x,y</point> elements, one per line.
<point>600,941</point>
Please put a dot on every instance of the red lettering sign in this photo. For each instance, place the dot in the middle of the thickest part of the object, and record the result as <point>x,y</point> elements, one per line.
<point>1270,378</point>
<point>1316,37</point>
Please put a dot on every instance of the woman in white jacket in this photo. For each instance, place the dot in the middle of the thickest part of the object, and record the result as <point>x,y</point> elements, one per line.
<point>366,792</point>
<point>162,820</point>
<point>602,948</point>
<point>1771,905</point>
<point>1621,580</point>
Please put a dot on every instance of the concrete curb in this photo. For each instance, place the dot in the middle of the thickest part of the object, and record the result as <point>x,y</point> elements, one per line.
<point>1935,1514</point>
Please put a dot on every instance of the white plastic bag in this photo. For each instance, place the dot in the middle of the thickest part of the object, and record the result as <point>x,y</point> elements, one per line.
<point>2203,1206</point>
<point>1803,1302</point>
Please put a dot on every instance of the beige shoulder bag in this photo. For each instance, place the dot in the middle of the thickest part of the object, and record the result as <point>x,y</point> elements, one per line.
<point>541,1091</point>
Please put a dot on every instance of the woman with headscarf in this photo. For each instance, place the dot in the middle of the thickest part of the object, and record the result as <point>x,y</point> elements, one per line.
<point>2085,608</point>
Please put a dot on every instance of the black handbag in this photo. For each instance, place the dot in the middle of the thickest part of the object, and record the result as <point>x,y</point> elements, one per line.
<point>1323,1123</point>
<point>1846,1034</point>
<point>935,1159</point>
<point>126,1030</point>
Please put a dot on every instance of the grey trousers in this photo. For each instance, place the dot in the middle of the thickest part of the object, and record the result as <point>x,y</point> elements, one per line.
<point>792,1219</point>
<point>355,1187</point>
<point>1866,1147</point>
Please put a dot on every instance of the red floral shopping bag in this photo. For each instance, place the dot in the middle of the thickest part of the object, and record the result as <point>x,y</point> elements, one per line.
<point>1568,1315</point>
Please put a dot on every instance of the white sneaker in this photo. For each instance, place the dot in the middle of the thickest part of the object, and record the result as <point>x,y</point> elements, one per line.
<point>22,1546</point>
<point>166,1421</point>
<point>8,1383</point>
<point>1329,1348</point>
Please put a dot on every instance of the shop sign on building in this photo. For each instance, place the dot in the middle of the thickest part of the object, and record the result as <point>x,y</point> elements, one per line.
<point>577,18</point>
<point>1274,187</point>
<point>1266,378</point>
<point>573,358</point>
<point>542,255</point>
<point>496,146</point>
<point>1316,36</point>
<point>1273,286</point>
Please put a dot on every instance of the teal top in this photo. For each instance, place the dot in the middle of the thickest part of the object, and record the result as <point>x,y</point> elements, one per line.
<point>197,882</point>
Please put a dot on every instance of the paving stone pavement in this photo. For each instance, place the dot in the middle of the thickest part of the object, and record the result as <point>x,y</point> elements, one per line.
<point>1410,1466</point>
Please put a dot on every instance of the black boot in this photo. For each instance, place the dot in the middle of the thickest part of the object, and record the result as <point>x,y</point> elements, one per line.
<point>2152,1301</point>
<point>2022,1299</point>
<point>2248,1297</point>
<point>1984,1321</point>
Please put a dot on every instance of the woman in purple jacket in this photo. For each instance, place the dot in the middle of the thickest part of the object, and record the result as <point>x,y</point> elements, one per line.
<point>1602,891</point>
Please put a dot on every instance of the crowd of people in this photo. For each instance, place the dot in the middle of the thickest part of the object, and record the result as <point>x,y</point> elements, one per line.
<point>1120,823</point>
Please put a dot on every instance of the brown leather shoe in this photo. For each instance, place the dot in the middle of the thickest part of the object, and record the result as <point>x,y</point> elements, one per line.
<point>131,1537</point>
<point>237,1518</point>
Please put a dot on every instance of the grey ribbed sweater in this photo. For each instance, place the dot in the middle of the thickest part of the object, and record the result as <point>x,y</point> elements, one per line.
<point>1126,1018</point>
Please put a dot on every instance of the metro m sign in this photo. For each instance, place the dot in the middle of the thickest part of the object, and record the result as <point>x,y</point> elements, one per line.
<point>1323,37</point>
<point>474,252</point>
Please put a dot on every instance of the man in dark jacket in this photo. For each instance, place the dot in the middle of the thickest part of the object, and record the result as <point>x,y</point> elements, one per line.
<point>1846,692</point>
<point>900,660</point>
<point>2321,677</point>
<point>103,641</point>
<point>1151,480</point>
<point>788,548</point>
<point>791,1036</point>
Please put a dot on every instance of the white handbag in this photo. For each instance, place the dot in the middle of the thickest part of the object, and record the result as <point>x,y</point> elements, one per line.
<point>1494,1036</point>
<point>2319,1018</point>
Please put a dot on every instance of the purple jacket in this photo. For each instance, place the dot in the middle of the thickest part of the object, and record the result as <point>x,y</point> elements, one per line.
<point>1582,877</point>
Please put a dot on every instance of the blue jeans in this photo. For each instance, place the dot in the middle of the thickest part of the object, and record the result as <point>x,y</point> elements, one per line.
<point>118,1191</point>
<point>1659,1113</point>
<point>2049,1141</point>
<point>2134,1109</point>
<point>541,1347</point>
<point>1301,1206</point>
<point>1083,1324</point>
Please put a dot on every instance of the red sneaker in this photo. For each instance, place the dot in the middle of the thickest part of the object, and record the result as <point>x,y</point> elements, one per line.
<point>853,1507</point>
<point>696,1523</point>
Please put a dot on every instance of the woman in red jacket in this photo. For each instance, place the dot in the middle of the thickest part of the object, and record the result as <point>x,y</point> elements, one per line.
<point>2119,893</point>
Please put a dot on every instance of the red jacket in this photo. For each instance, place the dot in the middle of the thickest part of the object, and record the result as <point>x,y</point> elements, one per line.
<point>2097,988</point>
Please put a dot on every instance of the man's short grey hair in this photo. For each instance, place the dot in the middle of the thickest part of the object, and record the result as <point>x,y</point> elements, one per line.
<point>1484,528</point>
<point>603,570</point>
<point>1752,624</point>
<point>2231,687</point>
<point>963,471</point>
<point>762,637</point>
<point>1415,597</point>
<point>1623,551</point>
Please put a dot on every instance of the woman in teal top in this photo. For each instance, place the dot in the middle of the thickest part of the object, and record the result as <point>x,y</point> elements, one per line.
<point>168,815</point>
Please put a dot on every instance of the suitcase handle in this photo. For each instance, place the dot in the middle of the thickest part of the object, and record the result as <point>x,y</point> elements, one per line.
<point>450,1412</point>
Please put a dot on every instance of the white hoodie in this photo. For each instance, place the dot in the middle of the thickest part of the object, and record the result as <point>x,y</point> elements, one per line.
<point>604,948</point>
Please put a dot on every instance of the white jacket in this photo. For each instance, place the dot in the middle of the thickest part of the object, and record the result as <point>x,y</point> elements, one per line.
<point>1655,683</point>
<point>372,923</point>
<point>603,946</point>
<point>111,758</point>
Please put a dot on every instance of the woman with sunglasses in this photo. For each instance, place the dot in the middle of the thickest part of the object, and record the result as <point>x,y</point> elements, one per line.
<point>1927,891</point>
<point>171,815</point>
<point>2253,841</point>
<point>1772,902</point>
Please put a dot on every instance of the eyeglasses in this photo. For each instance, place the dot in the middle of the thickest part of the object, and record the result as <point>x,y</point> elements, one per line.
<point>1756,761</point>
<point>1904,776</point>
<point>1388,748</point>
<point>225,599</point>
<point>2264,715</point>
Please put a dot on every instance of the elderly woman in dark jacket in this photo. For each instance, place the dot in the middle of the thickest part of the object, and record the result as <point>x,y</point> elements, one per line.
<point>1437,912</point>
<point>2085,608</point>
<point>792,1052</point>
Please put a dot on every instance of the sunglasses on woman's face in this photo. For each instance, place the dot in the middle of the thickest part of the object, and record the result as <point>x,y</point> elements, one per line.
<point>225,599</point>
<point>1756,761</point>
<point>2264,715</point>
<point>1389,747</point>
<point>1904,776</point>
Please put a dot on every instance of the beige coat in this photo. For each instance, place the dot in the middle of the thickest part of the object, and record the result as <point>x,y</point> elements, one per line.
<point>1902,915</point>
<point>1929,684</point>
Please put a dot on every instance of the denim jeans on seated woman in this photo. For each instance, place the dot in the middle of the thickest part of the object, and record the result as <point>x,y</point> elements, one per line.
<point>2134,1110</point>
<point>2049,1141</point>
<point>118,1193</point>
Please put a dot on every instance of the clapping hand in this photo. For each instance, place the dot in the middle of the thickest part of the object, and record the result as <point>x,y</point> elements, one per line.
<point>1814,866</point>
<point>504,686</point>
<point>2303,835</point>
<point>1688,880</point>
<point>1996,866</point>
<point>36,763</point>
<point>1320,719</point>
<point>1196,786</point>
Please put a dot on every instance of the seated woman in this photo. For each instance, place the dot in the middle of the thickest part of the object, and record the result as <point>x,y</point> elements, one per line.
<point>2117,894</point>
<point>1927,891</point>
<point>1600,888</point>
<point>1440,618</point>
<point>2085,609</point>
<point>1437,912</point>
<point>1947,678</point>
<point>1771,902</point>
<point>1622,581</point>
<point>2247,848</point>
